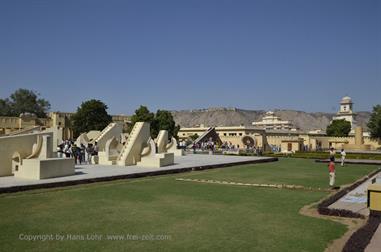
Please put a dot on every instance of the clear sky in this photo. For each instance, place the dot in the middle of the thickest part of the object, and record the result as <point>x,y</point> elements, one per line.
<point>185,54</point>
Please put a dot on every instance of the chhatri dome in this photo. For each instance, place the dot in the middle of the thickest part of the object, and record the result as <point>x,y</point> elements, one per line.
<point>346,111</point>
<point>269,113</point>
<point>346,99</point>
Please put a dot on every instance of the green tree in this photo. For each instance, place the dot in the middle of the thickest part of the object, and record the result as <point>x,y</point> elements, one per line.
<point>24,101</point>
<point>339,128</point>
<point>374,123</point>
<point>164,121</point>
<point>5,109</point>
<point>142,114</point>
<point>161,120</point>
<point>193,137</point>
<point>91,115</point>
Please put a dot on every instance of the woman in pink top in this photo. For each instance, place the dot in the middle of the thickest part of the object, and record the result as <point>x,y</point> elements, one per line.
<point>331,168</point>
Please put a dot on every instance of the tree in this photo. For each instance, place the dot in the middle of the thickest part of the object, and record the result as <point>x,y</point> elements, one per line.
<point>91,115</point>
<point>142,114</point>
<point>5,109</point>
<point>24,101</point>
<point>164,121</point>
<point>339,128</point>
<point>374,123</point>
<point>193,137</point>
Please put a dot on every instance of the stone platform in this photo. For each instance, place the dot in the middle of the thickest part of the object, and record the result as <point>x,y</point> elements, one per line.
<point>95,173</point>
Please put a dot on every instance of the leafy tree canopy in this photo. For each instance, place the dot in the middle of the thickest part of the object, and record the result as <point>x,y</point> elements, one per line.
<point>142,114</point>
<point>162,120</point>
<point>193,137</point>
<point>374,123</point>
<point>24,101</point>
<point>91,115</point>
<point>339,128</point>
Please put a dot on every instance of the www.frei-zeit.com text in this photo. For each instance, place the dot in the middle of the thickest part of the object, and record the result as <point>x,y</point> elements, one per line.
<point>94,237</point>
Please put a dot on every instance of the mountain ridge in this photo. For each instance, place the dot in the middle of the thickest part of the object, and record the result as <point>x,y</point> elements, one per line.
<point>229,116</point>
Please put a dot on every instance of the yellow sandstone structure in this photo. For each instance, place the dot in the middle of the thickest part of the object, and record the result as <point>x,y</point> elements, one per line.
<point>286,141</point>
<point>374,198</point>
<point>346,111</point>
<point>140,149</point>
<point>274,134</point>
<point>112,130</point>
<point>163,146</point>
<point>272,122</point>
<point>31,156</point>
<point>27,123</point>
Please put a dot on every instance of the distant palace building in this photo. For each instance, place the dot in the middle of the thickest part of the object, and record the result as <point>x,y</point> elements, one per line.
<point>346,111</point>
<point>273,134</point>
<point>272,122</point>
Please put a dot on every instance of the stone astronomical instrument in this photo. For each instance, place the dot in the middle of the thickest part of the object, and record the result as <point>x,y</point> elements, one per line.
<point>248,141</point>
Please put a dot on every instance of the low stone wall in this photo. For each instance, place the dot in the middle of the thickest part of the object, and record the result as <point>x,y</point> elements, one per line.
<point>46,168</point>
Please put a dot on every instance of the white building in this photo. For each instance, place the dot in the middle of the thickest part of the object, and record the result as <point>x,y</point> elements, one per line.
<point>273,122</point>
<point>346,111</point>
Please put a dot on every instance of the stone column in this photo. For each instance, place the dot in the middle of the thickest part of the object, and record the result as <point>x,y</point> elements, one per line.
<point>359,139</point>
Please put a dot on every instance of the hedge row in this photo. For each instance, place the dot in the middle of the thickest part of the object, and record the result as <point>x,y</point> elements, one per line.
<point>325,155</point>
<point>361,238</point>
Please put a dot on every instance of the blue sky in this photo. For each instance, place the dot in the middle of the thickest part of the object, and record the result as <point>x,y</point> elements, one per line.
<point>185,54</point>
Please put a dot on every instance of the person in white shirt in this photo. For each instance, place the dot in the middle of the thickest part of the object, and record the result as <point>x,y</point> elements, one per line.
<point>332,153</point>
<point>343,154</point>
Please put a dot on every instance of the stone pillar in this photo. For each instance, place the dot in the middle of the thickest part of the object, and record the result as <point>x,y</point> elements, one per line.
<point>46,148</point>
<point>359,139</point>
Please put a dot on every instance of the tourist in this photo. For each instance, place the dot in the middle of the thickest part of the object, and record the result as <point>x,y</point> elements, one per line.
<point>67,149</point>
<point>96,149</point>
<point>74,152</point>
<point>60,148</point>
<point>89,152</point>
<point>332,153</point>
<point>331,168</point>
<point>95,153</point>
<point>343,154</point>
<point>82,151</point>
<point>194,148</point>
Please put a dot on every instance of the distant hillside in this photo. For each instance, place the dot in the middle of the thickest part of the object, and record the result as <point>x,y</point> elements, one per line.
<point>234,117</point>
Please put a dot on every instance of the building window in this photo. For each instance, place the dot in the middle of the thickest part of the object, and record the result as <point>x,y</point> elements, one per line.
<point>240,134</point>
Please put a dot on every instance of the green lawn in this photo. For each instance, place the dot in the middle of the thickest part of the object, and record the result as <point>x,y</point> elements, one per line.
<point>202,217</point>
<point>294,171</point>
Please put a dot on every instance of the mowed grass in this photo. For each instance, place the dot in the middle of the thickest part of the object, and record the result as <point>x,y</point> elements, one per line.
<point>291,171</point>
<point>193,216</point>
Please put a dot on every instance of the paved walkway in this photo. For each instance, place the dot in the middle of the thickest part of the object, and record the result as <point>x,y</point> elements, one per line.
<point>356,200</point>
<point>92,173</point>
<point>375,243</point>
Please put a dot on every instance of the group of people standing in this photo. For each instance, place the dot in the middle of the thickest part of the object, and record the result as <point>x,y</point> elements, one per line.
<point>207,145</point>
<point>331,165</point>
<point>82,154</point>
